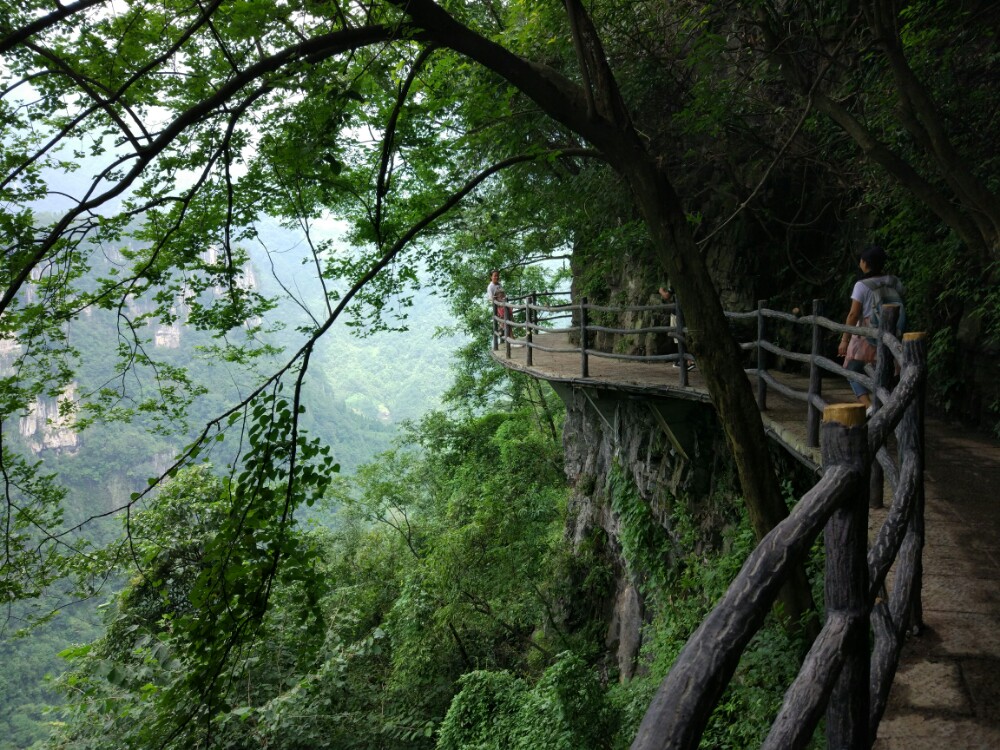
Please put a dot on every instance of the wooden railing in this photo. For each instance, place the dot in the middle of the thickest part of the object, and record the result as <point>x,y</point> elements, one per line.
<point>842,675</point>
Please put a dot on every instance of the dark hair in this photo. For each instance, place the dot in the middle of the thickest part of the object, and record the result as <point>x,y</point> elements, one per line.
<point>874,256</point>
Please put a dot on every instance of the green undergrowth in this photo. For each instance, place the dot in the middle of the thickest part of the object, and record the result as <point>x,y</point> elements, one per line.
<point>685,571</point>
<point>682,566</point>
<point>565,710</point>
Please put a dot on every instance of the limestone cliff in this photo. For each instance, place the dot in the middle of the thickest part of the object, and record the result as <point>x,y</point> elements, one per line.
<point>50,423</point>
<point>167,334</point>
<point>668,452</point>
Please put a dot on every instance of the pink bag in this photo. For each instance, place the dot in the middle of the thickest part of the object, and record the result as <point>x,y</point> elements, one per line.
<point>860,349</point>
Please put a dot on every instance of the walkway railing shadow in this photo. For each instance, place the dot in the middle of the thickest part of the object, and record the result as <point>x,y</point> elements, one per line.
<point>842,675</point>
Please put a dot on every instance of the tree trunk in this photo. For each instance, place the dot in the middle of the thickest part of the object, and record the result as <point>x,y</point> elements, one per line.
<point>600,116</point>
<point>960,199</point>
<point>719,358</point>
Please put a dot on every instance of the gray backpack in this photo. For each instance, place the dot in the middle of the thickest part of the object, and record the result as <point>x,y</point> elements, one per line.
<point>887,291</point>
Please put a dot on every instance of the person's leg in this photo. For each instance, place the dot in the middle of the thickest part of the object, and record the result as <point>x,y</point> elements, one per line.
<point>856,365</point>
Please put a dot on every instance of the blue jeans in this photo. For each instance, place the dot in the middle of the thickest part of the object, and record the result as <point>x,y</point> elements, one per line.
<point>856,365</point>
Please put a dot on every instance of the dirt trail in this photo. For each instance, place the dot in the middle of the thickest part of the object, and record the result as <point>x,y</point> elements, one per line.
<point>946,695</point>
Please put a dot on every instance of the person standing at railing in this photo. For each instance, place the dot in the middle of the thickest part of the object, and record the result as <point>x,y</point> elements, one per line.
<point>493,287</point>
<point>857,350</point>
<point>497,298</point>
<point>667,295</point>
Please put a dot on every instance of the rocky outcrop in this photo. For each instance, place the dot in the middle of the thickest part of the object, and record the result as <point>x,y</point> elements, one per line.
<point>50,424</point>
<point>167,332</point>
<point>10,350</point>
<point>168,336</point>
<point>668,452</point>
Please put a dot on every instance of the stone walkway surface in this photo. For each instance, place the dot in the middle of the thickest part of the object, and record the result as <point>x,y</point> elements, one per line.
<point>946,695</point>
<point>947,688</point>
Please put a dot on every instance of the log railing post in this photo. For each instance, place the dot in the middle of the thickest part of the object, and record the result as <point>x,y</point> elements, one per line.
<point>884,370</point>
<point>884,362</point>
<point>496,330</point>
<point>915,354</point>
<point>845,442</point>
<point>815,378</point>
<point>530,318</point>
<point>508,329</point>
<point>681,349</point>
<point>903,612</point>
<point>584,367</point>
<point>761,356</point>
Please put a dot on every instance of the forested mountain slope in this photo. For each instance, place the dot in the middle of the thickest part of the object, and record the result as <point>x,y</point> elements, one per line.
<point>363,389</point>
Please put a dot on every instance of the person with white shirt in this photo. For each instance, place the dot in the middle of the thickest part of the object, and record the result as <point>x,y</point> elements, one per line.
<point>496,296</point>
<point>494,286</point>
<point>854,348</point>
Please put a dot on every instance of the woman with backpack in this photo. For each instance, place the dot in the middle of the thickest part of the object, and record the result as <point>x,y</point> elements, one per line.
<point>870,291</point>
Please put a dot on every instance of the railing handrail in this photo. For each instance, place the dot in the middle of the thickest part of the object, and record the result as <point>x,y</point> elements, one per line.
<point>814,359</point>
<point>839,672</point>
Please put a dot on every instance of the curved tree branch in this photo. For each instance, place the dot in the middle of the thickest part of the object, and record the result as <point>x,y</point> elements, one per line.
<point>923,120</point>
<point>62,12</point>
<point>389,136</point>
<point>318,48</point>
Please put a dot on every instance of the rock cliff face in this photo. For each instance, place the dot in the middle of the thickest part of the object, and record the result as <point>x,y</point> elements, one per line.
<point>168,335</point>
<point>45,428</point>
<point>50,423</point>
<point>668,452</point>
<point>665,451</point>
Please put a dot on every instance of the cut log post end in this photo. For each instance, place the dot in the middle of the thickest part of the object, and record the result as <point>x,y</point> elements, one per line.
<point>849,415</point>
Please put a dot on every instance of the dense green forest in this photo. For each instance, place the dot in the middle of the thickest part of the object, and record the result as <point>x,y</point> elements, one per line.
<point>277,586</point>
<point>358,409</point>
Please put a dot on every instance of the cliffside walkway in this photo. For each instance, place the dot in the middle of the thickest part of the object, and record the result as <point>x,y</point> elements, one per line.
<point>947,688</point>
<point>947,682</point>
